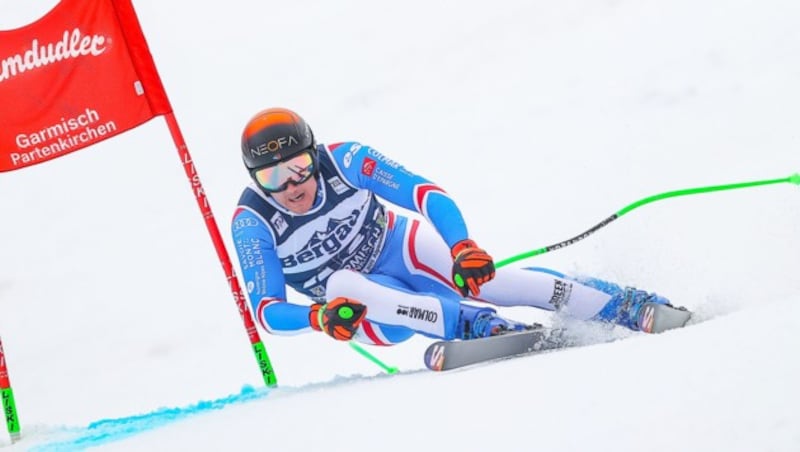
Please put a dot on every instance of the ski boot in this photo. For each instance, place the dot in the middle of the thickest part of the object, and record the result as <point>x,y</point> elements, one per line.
<point>475,322</point>
<point>642,311</point>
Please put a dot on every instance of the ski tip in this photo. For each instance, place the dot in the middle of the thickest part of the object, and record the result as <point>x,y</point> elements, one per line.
<point>434,356</point>
<point>657,318</point>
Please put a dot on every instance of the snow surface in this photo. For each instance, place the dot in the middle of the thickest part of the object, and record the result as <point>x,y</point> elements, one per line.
<point>540,118</point>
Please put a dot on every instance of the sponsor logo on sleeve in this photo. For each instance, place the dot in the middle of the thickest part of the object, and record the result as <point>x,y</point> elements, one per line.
<point>386,178</point>
<point>368,167</point>
<point>383,159</point>
<point>348,157</point>
<point>249,253</point>
<point>242,223</point>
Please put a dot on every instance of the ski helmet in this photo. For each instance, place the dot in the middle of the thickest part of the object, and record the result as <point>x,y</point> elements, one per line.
<point>273,135</point>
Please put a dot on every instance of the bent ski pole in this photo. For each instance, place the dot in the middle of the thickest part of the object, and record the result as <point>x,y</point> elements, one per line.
<point>793,179</point>
<point>373,358</point>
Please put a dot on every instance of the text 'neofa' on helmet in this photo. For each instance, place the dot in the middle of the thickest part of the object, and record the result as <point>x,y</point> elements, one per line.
<point>273,135</point>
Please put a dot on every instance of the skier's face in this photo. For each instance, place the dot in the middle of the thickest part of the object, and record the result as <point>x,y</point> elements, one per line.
<point>298,198</point>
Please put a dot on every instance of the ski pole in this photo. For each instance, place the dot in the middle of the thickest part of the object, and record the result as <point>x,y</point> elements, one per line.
<point>373,358</point>
<point>7,394</point>
<point>793,179</point>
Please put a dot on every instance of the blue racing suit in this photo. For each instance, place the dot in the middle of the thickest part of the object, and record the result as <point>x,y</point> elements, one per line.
<point>349,244</point>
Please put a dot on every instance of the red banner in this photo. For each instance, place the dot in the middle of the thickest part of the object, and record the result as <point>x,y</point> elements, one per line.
<point>79,75</point>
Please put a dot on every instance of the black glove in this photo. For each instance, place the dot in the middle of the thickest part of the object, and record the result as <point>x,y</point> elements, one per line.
<point>472,267</point>
<point>338,318</point>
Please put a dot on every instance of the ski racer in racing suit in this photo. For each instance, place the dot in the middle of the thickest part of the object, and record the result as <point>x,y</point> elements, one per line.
<point>314,219</point>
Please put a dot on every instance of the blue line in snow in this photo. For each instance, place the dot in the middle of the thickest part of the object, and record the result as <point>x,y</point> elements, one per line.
<point>108,430</point>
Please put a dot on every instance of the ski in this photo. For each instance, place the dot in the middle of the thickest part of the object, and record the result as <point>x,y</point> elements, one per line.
<point>448,355</point>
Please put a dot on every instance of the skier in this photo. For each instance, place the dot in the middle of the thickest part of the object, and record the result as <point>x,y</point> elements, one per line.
<point>311,219</point>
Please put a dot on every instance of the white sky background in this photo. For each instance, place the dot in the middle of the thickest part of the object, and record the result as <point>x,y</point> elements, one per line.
<point>540,118</point>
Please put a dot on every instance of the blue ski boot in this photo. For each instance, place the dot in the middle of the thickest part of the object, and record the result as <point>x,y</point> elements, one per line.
<point>642,311</point>
<point>475,322</point>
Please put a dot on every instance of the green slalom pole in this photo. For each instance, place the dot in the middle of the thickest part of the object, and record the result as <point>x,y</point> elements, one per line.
<point>793,179</point>
<point>7,394</point>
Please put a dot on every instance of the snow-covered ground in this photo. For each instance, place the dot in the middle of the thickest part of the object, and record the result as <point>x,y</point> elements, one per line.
<point>540,118</point>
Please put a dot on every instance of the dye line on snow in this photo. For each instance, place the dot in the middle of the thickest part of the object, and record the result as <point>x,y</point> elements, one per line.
<point>109,430</point>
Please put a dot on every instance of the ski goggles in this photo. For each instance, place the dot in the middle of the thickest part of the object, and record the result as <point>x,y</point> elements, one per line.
<point>276,178</point>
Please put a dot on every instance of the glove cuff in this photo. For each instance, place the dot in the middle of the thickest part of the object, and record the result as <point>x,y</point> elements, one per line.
<point>461,246</point>
<point>315,315</point>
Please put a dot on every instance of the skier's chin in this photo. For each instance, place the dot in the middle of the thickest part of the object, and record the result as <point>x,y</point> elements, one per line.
<point>299,203</point>
<point>298,199</point>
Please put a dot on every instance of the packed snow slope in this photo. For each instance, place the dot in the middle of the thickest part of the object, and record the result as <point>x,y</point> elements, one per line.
<point>539,118</point>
